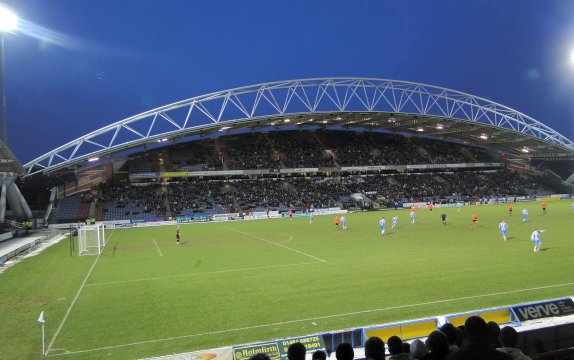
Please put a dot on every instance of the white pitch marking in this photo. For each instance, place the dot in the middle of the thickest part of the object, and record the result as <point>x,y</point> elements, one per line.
<point>316,318</point>
<point>283,242</point>
<point>74,301</point>
<point>157,247</point>
<point>202,273</point>
<point>132,258</point>
<point>276,244</point>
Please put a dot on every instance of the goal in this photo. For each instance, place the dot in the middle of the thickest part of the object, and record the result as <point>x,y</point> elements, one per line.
<point>91,239</point>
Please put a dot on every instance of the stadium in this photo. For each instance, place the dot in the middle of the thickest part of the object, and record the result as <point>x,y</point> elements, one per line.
<point>205,228</point>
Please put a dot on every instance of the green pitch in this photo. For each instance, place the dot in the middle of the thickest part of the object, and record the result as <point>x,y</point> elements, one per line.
<point>240,282</point>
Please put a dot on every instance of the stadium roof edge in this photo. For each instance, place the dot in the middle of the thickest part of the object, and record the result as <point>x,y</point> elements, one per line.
<point>354,103</point>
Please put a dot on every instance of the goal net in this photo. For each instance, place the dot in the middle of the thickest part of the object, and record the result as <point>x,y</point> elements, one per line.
<point>91,239</point>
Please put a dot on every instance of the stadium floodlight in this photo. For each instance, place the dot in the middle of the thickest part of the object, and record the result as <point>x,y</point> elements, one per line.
<point>420,129</point>
<point>484,137</point>
<point>525,150</point>
<point>8,19</point>
<point>8,24</point>
<point>440,126</point>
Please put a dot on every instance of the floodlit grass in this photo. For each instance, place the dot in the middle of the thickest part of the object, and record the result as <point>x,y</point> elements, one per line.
<point>239,282</point>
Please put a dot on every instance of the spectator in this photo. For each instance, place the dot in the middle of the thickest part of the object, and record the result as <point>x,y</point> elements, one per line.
<point>296,351</point>
<point>395,345</point>
<point>260,356</point>
<point>494,331</point>
<point>509,339</point>
<point>451,333</point>
<point>374,348</point>
<point>345,352</point>
<point>437,345</point>
<point>475,345</point>
<point>319,355</point>
<point>418,349</point>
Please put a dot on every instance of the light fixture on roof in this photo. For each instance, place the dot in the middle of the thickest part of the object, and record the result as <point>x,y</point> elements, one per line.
<point>440,126</point>
<point>161,140</point>
<point>484,136</point>
<point>287,120</point>
<point>525,150</point>
<point>272,123</point>
<point>325,121</point>
<point>392,120</point>
<point>420,129</point>
<point>223,128</point>
<point>92,159</point>
<point>338,118</point>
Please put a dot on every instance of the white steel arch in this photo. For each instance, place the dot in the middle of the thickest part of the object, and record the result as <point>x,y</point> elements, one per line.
<point>282,99</point>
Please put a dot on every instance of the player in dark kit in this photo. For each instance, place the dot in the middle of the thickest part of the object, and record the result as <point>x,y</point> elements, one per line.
<point>177,235</point>
<point>443,217</point>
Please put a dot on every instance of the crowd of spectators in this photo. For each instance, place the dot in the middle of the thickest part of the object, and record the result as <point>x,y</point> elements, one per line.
<point>188,196</point>
<point>196,156</point>
<point>475,340</point>
<point>135,198</point>
<point>301,149</point>
<point>249,151</point>
<point>306,149</point>
<point>442,186</point>
<point>191,196</point>
<point>309,149</point>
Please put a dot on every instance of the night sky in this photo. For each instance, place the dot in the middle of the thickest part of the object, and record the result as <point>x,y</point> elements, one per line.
<point>78,65</point>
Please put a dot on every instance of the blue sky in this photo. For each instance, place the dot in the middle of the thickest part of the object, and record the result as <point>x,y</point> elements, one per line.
<point>83,64</point>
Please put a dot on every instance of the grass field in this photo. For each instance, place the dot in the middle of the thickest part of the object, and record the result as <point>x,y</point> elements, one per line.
<point>239,282</point>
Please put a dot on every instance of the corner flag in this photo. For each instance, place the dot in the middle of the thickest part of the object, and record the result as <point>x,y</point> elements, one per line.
<point>41,319</point>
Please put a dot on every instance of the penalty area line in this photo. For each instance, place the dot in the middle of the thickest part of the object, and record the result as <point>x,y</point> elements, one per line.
<point>74,300</point>
<point>157,247</point>
<point>216,332</point>
<point>202,273</point>
<point>277,244</point>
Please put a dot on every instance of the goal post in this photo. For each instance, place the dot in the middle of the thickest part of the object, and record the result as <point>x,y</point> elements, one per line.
<point>91,239</point>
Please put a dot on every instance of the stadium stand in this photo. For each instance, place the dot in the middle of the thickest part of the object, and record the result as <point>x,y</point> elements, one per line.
<point>66,209</point>
<point>328,150</point>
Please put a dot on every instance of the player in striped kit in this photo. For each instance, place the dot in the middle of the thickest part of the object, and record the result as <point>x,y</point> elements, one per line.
<point>503,226</point>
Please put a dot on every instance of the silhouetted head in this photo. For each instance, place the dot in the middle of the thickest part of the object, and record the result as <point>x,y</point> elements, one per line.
<point>375,348</point>
<point>345,352</point>
<point>418,349</point>
<point>296,351</point>
<point>319,355</point>
<point>261,356</point>
<point>508,337</point>
<point>451,333</point>
<point>437,342</point>
<point>395,345</point>
<point>476,327</point>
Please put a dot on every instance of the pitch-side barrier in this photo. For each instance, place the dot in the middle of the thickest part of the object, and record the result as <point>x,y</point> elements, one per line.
<point>111,224</point>
<point>538,314</point>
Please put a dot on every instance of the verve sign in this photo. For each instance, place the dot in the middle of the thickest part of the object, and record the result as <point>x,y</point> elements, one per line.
<point>560,307</point>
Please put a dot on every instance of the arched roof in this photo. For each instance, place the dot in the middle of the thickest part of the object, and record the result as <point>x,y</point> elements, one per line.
<point>353,103</point>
